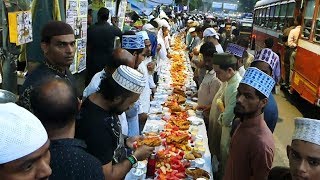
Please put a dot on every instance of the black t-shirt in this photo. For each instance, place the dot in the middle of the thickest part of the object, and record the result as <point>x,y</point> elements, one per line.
<point>69,160</point>
<point>101,130</point>
<point>43,72</point>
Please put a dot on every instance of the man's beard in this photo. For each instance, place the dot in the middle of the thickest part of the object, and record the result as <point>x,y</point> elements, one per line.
<point>241,114</point>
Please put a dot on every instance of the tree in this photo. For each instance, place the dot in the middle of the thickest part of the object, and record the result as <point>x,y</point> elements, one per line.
<point>247,5</point>
<point>195,4</point>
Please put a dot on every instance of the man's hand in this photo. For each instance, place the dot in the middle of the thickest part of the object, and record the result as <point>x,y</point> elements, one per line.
<point>143,152</point>
<point>130,141</point>
<point>158,47</point>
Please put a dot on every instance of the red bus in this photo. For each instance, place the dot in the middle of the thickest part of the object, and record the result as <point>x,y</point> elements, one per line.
<point>270,18</point>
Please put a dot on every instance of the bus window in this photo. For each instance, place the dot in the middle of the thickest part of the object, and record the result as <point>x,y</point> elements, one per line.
<point>283,12</point>
<point>262,15</point>
<point>272,19</point>
<point>267,19</point>
<point>316,37</point>
<point>308,19</point>
<point>290,12</point>
<point>276,18</point>
<point>256,17</point>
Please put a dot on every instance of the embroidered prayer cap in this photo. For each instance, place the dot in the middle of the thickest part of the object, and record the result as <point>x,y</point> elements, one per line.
<point>224,59</point>
<point>258,80</point>
<point>307,130</point>
<point>192,29</point>
<point>235,50</point>
<point>21,133</point>
<point>130,79</point>
<point>132,42</point>
<point>210,32</point>
<point>268,56</point>
<point>144,35</point>
<point>55,28</point>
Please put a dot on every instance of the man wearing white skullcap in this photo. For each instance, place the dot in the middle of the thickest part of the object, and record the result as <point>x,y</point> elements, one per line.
<point>210,35</point>
<point>99,126</point>
<point>24,145</point>
<point>303,154</point>
<point>252,145</point>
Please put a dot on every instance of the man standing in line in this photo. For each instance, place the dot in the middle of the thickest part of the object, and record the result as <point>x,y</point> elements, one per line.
<point>240,53</point>
<point>252,145</point>
<point>210,35</point>
<point>56,104</point>
<point>58,46</point>
<point>24,152</point>
<point>225,66</point>
<point>100,43</point>
<point>303,153</point>
<point>210,84</point>
<point>98,124</point>
<point>267,62</point>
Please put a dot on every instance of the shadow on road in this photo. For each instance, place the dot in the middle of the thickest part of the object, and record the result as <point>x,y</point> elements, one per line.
<point>307,109</point>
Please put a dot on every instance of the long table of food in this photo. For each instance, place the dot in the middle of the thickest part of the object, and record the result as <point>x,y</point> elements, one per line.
<point>174,125</point>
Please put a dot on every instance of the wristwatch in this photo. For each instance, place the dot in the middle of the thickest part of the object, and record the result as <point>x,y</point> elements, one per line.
<point>133,160</point>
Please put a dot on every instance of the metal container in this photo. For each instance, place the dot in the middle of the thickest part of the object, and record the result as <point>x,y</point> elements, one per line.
<point>7,96</point>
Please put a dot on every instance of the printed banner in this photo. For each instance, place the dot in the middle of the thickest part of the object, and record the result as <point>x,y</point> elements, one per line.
<point>20,27</point>
<point>76,16</point>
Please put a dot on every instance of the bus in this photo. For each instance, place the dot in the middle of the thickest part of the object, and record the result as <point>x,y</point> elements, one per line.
<point>270,18</point>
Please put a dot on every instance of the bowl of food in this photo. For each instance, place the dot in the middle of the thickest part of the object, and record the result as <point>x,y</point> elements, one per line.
<point>195,173</point>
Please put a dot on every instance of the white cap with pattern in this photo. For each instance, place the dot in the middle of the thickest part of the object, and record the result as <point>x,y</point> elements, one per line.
<point>130,79</point>
<point>21,133</point>
<point>259,80</point>
<point>132,42</point>
<point>235,49</point>
<point>144,35</point>
<point>268,56</point>
<point>307,130</point>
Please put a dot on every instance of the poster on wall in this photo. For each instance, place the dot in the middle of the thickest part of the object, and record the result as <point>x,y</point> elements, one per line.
<point>76,16</point>
<point>20,27</point>
<point>122,13</point>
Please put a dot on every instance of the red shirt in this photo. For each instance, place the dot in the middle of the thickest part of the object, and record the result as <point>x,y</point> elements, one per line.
<point>251,151</point>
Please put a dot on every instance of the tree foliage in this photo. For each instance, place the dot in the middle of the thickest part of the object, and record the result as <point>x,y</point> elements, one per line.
<point>247,5</point>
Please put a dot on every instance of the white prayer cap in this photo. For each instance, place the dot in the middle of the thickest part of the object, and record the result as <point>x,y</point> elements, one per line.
<point>132,42</point>
<point>130,79</point>
<point>210,32</point>
<point>258,80</point>
<point>148,27</point>
<point>144,35</point>
<point>192,29</point>
<point>307,130</point>
<point>164,23</point>
<point>21,133</point>
<point>268,56</point>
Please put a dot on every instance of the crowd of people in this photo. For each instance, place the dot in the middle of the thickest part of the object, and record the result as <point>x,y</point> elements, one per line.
<point>54,131</point>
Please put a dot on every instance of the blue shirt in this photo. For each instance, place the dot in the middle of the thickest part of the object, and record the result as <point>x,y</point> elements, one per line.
<point>271,113</point>
<point>154,43</point>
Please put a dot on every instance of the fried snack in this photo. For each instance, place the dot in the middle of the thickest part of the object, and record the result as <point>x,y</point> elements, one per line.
<point>184,147</point>
<point>189,157</point>
<point>178,139</point>
<point>151,141</point>
<point>178,91</point>
<point>175,108</point>
<point>182,124</point>
<point>197,173</point>
<point>196,154</point>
